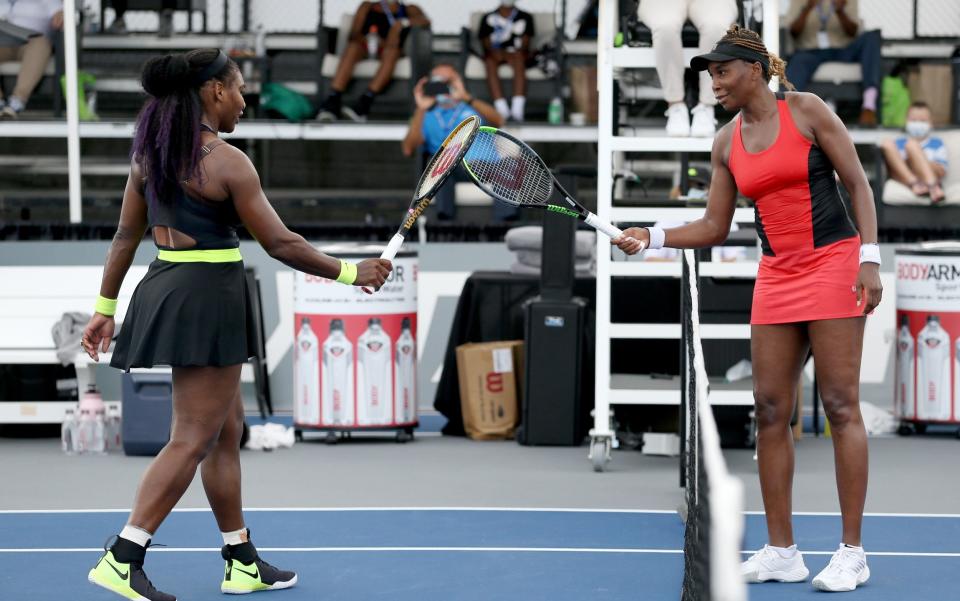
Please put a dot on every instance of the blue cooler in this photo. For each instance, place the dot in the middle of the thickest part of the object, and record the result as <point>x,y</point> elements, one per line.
<point>147,412</point>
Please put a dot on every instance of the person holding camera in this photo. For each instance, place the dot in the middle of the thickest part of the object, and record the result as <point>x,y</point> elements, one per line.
<point>505,34</point>
<point>442,103</point>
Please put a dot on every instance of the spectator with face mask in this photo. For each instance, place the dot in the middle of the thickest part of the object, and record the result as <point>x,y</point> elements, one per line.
<point>442,103</point>
<point>919,159</point>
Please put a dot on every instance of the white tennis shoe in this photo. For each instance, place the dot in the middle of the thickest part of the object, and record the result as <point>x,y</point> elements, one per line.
<point>846,571</point>
<point>766,564</point>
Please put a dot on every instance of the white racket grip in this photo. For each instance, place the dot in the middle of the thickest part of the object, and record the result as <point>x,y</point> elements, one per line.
<point>607,228</point>
<point>393,247</point>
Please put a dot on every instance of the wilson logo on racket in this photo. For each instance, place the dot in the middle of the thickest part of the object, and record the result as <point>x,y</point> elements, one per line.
<point>562,210</point>
<point>445,160</point>
<point>494,382</point>
<point>414,213</point>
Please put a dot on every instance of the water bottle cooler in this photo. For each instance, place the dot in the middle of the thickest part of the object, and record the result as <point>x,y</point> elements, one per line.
<point>147,412</point>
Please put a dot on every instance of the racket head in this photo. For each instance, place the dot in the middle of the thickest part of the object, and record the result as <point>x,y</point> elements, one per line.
<point>508,170</point>
<point>447,157</point>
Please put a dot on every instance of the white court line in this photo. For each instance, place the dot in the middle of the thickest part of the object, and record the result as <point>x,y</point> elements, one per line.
<point>478,509</point>
<point>450,549</point>
<point>868,515</point>
<point>369,550</point>
<point>331,509</point>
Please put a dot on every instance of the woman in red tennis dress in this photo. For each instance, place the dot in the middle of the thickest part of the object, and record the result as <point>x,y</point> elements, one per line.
<point>818,278</point>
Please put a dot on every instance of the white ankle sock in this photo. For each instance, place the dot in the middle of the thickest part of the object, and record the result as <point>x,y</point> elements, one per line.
<point>852,548</point>
<point>237,537</point>
<point>16,104</point>
<point>519,103</point>
<point>785,552</point>
<point>870,99</point>
<point>136,535</point>
<point>502,107</point>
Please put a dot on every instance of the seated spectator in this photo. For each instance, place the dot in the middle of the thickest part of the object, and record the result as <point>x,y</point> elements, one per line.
<point>919,159</point>
<point>665,20</point>
<point>442,103</point>
<point>164,30</point>
<point>378,31</point>
<point>43,17</point>
<point>505,34</point>
<point>824,31</point>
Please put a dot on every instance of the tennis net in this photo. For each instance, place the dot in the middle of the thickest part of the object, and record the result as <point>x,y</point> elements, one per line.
<point>714,498</point>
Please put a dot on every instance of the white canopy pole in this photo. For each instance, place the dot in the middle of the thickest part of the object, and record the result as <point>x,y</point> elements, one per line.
<point>73,117</point>
<point>771,33</point>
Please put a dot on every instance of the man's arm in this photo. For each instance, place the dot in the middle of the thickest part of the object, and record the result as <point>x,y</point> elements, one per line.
<point>849,24</point>
<point>797,15</point>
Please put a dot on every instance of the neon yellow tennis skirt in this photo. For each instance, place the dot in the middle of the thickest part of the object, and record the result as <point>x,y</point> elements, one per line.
<point>190,310</point>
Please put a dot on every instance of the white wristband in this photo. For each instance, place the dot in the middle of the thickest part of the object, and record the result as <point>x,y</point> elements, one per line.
<point>657,236</point>
<point>870,253</point>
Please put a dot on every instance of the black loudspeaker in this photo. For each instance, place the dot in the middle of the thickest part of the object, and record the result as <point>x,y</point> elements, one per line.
<point>557,256</point>
<point>550,411</point>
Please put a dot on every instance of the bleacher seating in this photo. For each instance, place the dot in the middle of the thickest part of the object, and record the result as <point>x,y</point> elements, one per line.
<point>414,63</point>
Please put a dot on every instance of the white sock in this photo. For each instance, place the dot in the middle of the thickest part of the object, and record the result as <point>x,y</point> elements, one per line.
<point>502,107</point>
<point>785,552</point>
<point>136,535</point>
<point>854,549</point>
<point>237,537</point>
<point>16,104</point>
<point>518,104</point>
<point>870,99</point>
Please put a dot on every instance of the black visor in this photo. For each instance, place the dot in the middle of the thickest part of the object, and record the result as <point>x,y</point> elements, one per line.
<point>725,51</point>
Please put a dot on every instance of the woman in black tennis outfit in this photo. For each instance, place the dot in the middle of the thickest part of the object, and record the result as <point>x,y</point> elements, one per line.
<point>190,310</point>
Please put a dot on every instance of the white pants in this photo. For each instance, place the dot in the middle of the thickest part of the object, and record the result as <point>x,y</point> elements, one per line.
<point>665,19</point>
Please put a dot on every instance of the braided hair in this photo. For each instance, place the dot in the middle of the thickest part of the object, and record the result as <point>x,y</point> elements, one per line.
<point>748,38</point>
<point>166,142</point>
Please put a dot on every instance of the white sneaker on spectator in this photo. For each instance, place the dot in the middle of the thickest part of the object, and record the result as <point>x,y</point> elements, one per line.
<point>503,107</point>
<point>766,564</point>
<point>9,114</point>
<point>846,571</point>
<point>704,124</point>
<point>517,108</point>
<point>678,120</point>
<point>117,27</point>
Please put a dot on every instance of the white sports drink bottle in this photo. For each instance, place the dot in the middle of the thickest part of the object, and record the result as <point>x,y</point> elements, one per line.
<point>905,389</point>
<point>374,384</point>
<point>933,371</point>
<point>405,375</point>
<point>306,376</point>
<point>337,377</point>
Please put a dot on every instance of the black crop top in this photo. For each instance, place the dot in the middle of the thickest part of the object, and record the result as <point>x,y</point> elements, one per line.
<point>212,224</point>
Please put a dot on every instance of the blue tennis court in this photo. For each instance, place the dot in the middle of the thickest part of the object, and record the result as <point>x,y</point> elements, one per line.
<point>463,554</point>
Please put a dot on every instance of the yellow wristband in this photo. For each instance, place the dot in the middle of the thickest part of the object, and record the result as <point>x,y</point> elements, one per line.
<point>348,273</point>
<point>105,306</point>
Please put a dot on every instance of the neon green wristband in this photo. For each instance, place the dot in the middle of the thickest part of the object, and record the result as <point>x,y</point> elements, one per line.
<point>348,273</point>
<point>105,306</point>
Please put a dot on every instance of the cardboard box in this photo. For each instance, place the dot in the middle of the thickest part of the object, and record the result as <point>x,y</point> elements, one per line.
<point>490,375</point>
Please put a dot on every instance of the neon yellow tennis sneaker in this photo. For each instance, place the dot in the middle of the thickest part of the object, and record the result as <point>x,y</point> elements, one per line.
<point>245,572</point>
<point>126,579</point>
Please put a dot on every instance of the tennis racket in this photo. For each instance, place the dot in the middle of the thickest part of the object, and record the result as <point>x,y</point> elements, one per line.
<point>439,168</point>
<point>510,171</point>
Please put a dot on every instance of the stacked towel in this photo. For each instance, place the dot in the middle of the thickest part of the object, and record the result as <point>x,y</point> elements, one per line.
<point>526,243</point>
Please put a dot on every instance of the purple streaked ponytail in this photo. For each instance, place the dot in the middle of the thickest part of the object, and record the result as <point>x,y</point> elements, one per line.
<point>166,140</point>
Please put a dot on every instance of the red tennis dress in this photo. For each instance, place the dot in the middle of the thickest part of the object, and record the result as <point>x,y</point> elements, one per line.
<point>811,248</point>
